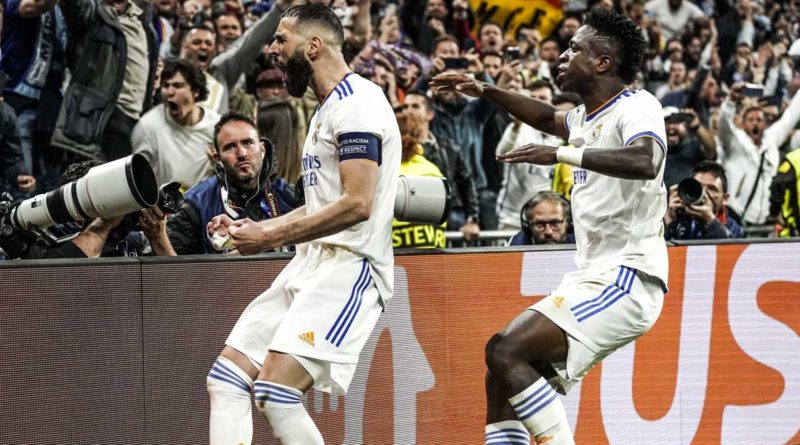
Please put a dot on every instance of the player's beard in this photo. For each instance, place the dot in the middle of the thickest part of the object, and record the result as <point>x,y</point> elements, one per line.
<point>298,74</point>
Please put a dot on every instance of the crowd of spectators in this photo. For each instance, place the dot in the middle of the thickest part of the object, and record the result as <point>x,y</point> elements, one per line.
<point>101,79</point>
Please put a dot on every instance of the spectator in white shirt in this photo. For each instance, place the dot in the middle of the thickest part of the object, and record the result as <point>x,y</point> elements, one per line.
<point>175,135</point>
<point>751,153</point>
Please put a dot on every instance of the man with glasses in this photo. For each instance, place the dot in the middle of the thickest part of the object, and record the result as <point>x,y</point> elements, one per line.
<point>544,220</point>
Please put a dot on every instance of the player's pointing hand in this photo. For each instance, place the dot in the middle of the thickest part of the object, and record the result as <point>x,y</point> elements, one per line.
<point>459,82</point>
<point>532,154</point>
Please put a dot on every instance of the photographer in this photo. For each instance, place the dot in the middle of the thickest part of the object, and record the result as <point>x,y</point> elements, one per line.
<point>545,219</point>
<point>701,213</point>
<point>689,142</point>
<point>241,188</point>
<point>99,237</point>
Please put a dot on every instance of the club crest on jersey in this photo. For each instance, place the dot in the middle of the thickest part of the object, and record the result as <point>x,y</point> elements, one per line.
<point>315,137</point>
<point>596,133</point>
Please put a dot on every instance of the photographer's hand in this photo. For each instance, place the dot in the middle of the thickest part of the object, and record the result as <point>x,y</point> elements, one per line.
<point>675,204</point>
<point>702,212</point>
<point>94,236</point>
<point>154,225</point>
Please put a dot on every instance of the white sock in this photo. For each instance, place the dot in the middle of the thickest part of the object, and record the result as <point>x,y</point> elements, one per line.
<point>541,411</point>
<point>229,387</point>
<point>282,407</point>
<point>508,432</point>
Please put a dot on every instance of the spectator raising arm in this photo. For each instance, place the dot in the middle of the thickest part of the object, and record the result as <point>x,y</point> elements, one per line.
<point>35,8</point>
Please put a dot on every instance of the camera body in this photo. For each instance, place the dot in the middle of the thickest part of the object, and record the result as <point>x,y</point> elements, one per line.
<point>753,90</point>
<point>511,53</point>
<point>456,63</point>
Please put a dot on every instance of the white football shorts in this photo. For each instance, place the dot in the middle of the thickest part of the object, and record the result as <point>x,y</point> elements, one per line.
<point>320,309</point>
<point>600,315</point>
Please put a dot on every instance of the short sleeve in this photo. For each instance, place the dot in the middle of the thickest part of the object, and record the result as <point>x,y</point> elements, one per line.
<point>644,119</point>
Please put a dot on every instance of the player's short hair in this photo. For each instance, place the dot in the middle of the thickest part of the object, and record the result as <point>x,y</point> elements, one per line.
<point>626,39</point>
<point>316,15</point>
<point>490,53</point>
<point>194,77</point>
<point>716,169</point>
<point>231,116</point>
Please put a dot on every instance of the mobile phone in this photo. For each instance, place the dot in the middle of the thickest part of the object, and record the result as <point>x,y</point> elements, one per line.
<point>511,53</point>
<point>753,90</point>
<point>456,63</point>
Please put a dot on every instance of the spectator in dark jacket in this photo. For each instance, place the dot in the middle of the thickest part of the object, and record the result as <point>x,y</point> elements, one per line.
<point>464,206</point>
<point>15,178</point>
<point>112,56</point>
<point>33,50</point>
<point>244,187</point>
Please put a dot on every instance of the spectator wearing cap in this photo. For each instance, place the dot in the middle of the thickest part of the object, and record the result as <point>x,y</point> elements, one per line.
<point>175,135</point>
<point>689,142</point>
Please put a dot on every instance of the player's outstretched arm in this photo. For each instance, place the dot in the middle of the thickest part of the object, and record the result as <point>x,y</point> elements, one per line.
<point>359,179</point>
<point>639,160</point>
<point>539,115</point>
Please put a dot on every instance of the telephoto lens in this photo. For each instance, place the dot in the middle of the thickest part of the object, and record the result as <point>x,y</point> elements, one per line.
<point>108,190</point>
<point>422,199</point>
<point>691,192</point>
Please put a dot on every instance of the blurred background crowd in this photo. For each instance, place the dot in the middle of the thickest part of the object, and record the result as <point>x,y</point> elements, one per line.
<point>90,81</point>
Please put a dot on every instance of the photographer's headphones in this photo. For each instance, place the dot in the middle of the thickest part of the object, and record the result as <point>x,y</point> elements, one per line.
<point>544,195</point>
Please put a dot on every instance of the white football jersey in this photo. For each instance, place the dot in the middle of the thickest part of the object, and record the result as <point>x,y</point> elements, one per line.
<point>619,221</point>
<point>355,105</point>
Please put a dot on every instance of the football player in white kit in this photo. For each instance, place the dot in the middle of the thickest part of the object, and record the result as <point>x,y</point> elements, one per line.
<point>618,203</point>
<point>309,327</point>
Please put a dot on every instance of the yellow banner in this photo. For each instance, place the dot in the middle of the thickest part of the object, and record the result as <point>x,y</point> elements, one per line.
<point>510,14</point>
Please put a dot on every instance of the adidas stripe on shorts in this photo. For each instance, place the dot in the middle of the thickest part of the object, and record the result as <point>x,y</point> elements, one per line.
<point>321,309</point>
<point>600,315</point>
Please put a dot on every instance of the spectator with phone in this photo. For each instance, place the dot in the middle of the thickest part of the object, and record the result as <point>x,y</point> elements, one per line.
<point>751,152</point>
<point>698,206</point>
<point>689,142</point>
